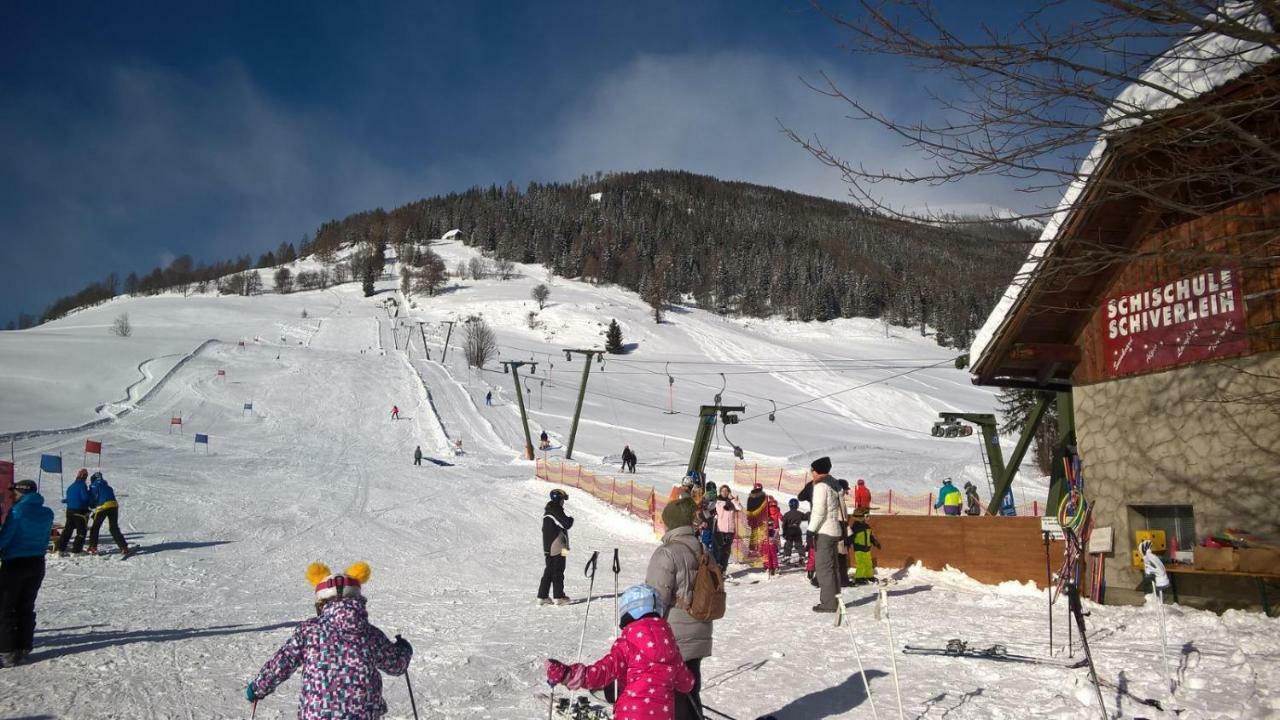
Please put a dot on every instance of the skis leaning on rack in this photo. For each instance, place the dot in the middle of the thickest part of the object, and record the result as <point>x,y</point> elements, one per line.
<point>998,653</point>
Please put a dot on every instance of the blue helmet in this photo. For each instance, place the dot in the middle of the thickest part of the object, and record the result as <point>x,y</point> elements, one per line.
<point>638,601</point>
<point>793,503</point>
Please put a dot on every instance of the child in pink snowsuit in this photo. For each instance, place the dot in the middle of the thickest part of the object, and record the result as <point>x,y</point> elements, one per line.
<point>769,548</point>
<point>340,653</point>
<point>645,658</point>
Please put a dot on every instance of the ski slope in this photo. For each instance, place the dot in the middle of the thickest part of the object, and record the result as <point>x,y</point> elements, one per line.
<point>319,471</point>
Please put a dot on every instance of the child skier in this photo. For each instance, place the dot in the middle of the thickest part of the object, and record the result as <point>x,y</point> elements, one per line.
<point>862,539</point>
<point>645,658</point>
<point>341,654</point>
<point>769,546</point>
<point>792,535</point>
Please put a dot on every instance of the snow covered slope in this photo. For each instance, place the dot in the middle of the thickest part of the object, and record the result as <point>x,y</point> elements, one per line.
<point>318,471</point>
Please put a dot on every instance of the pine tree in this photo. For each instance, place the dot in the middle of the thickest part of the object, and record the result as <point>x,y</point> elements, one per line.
<point>1016,407</point>
<point>613,339</point>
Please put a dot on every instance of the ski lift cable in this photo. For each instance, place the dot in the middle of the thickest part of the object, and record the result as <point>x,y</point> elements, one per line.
<point>849,389</point>
<point>617,433</point>
<point>674,360</point>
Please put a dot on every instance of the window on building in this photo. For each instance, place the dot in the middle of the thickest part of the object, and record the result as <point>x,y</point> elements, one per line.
<point>1177,521</point>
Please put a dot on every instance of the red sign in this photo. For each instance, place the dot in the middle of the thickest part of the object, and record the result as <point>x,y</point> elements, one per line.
<point>175,421</point>
<point>1191,319</point>
<point>6,482</point>
<point>93,446</point>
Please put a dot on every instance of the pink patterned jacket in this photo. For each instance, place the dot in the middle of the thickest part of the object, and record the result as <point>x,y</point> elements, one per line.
<point>647,661</point>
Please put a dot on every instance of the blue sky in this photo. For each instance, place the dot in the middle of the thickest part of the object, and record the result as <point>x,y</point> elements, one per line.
<point>139,131</point>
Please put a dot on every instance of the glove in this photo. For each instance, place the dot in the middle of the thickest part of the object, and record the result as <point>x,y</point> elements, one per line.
<point>251,695</point>
<point>556,672</point>
<point>403,645</point>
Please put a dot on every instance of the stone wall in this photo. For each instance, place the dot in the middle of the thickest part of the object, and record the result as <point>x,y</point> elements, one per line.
<point>1207,436</point>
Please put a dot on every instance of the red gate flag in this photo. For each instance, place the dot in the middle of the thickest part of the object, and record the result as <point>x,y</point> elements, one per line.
<point>175,421</point>
<point>1195,318</point>
<point>93,446</point>
<point>6,483</point>
<point>222,373</point>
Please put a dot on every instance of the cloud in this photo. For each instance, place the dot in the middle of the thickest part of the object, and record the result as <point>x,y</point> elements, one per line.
<point>159,163</point>
<point>720,114</point>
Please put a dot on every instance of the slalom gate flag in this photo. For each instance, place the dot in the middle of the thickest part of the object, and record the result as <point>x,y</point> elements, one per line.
<point>6,482</point>
<point>222,373</point>
<point>201,438</point>
<point>51,464</point>
<point>175,421</point>
<point>248,406</point>
<point>93,446</point>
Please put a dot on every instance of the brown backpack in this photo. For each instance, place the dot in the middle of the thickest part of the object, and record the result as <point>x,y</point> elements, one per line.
<point>708,597</point>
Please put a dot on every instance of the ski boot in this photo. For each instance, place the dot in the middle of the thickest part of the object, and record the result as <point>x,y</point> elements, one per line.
<point>562,601</point>
<point>92,549</point>
<point>9,659</point>
<point>544,601</point>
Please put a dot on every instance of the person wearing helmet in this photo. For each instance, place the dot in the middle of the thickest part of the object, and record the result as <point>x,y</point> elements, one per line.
<point>105,509</point>
<point>23,541</point>
<point>792,532</point>
<point>77,518</point>
<point>645,658</point>
<point>862,496</point>
<point>555,549</point>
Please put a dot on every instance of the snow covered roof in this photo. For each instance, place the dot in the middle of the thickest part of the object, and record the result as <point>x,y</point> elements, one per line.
<point>1198,64</point>
<point>451,235</point>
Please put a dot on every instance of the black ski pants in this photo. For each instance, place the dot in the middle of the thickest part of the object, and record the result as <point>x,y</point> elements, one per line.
<point>689,707</point>
<point>110,516</point>
<point>793,545</point>
<point>77,521</point>
<point>724,546</point>
<point>20,580</point>
<point>552,577</point>
<point>417,460</point>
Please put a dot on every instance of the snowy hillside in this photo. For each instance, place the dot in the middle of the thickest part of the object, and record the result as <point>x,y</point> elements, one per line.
<point>318,471</point>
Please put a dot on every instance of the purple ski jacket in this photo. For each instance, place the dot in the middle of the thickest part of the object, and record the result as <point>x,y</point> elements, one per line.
<point>340,654</point>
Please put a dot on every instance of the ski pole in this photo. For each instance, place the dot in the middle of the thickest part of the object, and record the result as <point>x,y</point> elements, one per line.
<point>617,628</point>
<point>857,653</point>
<point>882,611</point>
<point>590,572</point>
<point>254,711</point>
<point>1048,586</point>
<point>412,703</point>
<point>1077,610</point>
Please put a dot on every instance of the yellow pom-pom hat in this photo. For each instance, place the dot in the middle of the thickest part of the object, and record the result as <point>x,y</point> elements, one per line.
<point>331,585</point>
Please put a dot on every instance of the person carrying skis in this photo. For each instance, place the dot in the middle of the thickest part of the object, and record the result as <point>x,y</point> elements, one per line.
<point>972,503</point>
<point>24,538</point>
<point>395,412</point>
<point>77,517</point>
<point>671,572</point>
<point>769,547</point>
<point>861,495</point>
<point>555,548</point>
<point>792,534</point>
<point>340,652</point>
<point>105,509</point>
<point>862,538</point>
<point>826,524</point>
<point>645,658</point>
<point>727,508</point>
<point>949,499</point>
<point>417,455</point>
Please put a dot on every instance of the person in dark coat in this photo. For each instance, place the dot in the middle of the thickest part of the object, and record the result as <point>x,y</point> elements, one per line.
<point>792,536</point>
<point>23,542</point>
<point>77,518</point>
<point>628,459</point>
<point>417,455</point>
<point>105,509</point>
<point>555,547</point>
<point>671,572</point>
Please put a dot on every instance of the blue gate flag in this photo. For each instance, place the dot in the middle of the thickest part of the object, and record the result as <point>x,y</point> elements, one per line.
<point>202,438</point>
<point>51,463</point>
<point>248,406</point>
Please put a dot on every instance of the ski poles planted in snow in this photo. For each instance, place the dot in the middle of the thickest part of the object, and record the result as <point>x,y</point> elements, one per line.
<point>590,572</point>
<point>1153,568</point>
<point>857,652</point>
<point>882,613</point>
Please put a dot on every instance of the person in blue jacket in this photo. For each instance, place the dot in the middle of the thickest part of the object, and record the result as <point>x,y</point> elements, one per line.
<point>949,499</point>
<point>77,502</point>
<point>23,541</point>
<point>105,508</point>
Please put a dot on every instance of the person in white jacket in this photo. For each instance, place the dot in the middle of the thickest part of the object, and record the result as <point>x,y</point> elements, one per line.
<point>826,523</point>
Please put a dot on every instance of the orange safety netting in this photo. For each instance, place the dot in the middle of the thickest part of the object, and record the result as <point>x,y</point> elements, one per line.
<point>623,495</point>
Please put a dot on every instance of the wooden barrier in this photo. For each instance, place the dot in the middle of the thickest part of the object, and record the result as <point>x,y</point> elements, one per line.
<point>987,549</point>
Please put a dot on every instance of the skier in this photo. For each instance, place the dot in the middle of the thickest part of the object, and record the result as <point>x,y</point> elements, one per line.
<point>77,518</point>
<point>24,538</point>
<point>340,652</point>
<point>105,509</point>
<point>417,455</point>
<point>825,524</point>
<point>769,547</point>
<point>488,398</point>
<point>646,658</point>
<point>555,548</point>
<point>671,572</point>
<point>628,459</point>
<point>949,499</point>
<point>395,412</point>
<point>544,442</point>
<point>862,495</point>
<point>862,538</point>
<point>973,503</point>
<point>792,537</point>
<point>727,508</point>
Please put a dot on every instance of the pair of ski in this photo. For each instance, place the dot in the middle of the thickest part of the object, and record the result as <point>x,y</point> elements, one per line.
<point>998,653</point>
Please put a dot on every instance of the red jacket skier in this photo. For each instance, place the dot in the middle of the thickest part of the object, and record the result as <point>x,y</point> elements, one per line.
<point>645,658</point>
<point>862,495</point>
